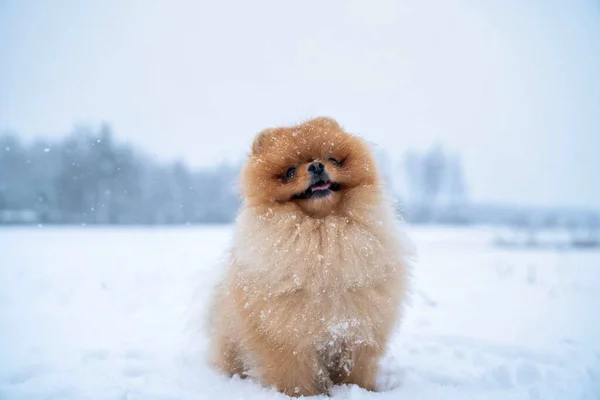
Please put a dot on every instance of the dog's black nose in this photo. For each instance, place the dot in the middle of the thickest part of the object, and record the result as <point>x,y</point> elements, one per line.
<point>316,168</point>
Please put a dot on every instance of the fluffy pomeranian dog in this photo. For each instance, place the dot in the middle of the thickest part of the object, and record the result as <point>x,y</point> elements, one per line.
<point>317,274</point>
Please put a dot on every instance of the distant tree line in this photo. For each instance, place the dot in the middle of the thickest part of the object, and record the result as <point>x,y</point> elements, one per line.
<point>435,186</point>
<point>90,178</point>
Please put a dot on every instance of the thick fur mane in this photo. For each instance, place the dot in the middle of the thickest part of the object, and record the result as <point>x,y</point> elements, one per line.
<point>280,246</point>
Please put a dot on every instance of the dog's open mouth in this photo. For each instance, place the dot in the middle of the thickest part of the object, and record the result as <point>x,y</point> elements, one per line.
<point>319,189</point>
<point>321,185</point>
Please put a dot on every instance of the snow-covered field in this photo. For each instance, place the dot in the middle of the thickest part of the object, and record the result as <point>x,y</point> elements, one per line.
<point>99,313</point>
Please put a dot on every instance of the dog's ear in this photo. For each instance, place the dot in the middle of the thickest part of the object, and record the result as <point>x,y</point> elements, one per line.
<point>259,140</point>
<point>324,121</point>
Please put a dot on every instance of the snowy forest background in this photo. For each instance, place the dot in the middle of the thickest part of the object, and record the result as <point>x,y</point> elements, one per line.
<point>90,177</point>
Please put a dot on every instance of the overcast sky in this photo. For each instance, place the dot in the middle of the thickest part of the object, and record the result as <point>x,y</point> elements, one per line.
<point>513,85</point>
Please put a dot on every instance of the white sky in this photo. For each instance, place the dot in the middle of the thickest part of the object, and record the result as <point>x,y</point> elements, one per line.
<point>513,85</point>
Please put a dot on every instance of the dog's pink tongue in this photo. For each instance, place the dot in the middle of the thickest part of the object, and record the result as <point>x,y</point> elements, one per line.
<point>324,186</point>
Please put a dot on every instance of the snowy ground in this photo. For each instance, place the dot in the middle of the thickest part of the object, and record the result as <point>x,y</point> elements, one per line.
<point>102,314</point>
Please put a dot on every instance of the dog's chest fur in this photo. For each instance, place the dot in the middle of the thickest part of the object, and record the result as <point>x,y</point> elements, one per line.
<point>288,252</point>
<point>322,279</point>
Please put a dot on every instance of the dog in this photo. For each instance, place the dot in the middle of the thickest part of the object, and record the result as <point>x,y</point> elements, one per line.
<point>317,274</point>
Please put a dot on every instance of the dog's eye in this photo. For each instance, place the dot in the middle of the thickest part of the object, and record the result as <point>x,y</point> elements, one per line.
<point>334,161</point>
<point>290,173</point>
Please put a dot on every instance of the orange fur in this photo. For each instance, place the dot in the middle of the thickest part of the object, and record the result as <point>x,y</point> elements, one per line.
<point>314,287</point>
